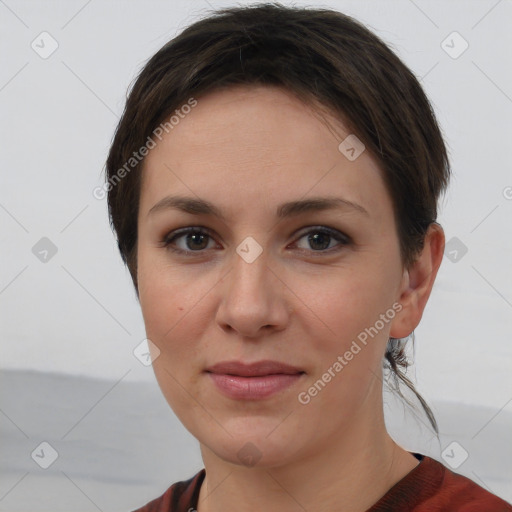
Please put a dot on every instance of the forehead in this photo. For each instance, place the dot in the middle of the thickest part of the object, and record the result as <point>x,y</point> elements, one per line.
<point>258,144</point>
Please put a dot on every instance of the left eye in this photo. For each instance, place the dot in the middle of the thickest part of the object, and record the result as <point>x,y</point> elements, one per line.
<point>321,239</point>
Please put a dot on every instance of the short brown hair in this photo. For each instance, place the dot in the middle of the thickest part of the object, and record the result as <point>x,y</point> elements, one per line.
<point>325,58</point>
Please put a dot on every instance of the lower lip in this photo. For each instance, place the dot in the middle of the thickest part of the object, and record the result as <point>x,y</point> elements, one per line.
<point>253,388</point>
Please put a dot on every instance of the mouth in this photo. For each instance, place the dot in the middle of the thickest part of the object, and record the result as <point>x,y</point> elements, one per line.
<point>253,381</point>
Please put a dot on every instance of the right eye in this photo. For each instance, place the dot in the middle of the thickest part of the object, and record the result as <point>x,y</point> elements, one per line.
<point>192,240</point>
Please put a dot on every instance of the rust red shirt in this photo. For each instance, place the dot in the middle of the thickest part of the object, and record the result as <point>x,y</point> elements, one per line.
<point>429,487</point>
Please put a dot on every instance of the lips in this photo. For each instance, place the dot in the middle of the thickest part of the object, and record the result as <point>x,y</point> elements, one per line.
<point>254,381</point>
<point>256,369</point>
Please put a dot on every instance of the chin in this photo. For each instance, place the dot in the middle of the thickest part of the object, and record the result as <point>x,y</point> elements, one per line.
<point>255,447</point>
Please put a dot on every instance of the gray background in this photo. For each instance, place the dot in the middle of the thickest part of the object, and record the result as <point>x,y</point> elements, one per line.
<point>70,322</point>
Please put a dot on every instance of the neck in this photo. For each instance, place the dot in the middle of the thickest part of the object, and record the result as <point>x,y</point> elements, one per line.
<point>352,472</point>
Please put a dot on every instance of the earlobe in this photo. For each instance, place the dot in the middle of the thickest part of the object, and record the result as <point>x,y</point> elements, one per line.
<point>417,283</point>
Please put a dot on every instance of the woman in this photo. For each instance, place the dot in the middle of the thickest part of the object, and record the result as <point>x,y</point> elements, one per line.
<point>273,184</point>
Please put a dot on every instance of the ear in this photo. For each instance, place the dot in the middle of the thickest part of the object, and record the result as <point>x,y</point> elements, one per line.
<point>417,283</point>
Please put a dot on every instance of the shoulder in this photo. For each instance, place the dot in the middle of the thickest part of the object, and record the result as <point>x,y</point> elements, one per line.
<point>179,497</point>
<point>432,487</point>
<point>457,492</point>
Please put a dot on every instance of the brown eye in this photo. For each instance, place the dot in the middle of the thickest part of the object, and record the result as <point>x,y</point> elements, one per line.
<point>320,241</point>
<point>196,241</point>
<point>187,240</point>
<point>323,239</point>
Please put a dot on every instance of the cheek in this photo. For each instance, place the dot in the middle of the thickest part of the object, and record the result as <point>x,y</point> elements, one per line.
<point>168,300</point>
<point>342,317</point>
<point>166,292</point>
<point>174,319</point>
<point>345,301</point>
<point>347,348</point>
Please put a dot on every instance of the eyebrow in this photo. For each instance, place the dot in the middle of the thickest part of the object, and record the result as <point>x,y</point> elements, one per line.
<point>201,207</point>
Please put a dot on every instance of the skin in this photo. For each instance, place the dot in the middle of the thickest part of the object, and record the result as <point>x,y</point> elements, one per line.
<point>247,150</point>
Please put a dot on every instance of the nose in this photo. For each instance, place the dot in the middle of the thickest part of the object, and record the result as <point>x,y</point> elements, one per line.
<point>254,300</point>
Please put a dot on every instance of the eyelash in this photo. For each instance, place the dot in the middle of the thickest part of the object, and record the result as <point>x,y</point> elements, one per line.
<point>171,237</point>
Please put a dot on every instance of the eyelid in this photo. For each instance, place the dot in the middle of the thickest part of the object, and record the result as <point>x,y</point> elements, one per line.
<point>187,229</point>
<point>335,233</point>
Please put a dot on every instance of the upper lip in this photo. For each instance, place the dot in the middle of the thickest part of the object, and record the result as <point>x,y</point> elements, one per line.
<point>256,369</point>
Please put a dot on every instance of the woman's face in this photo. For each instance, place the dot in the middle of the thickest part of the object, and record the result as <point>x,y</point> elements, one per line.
<point>266,279</point>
